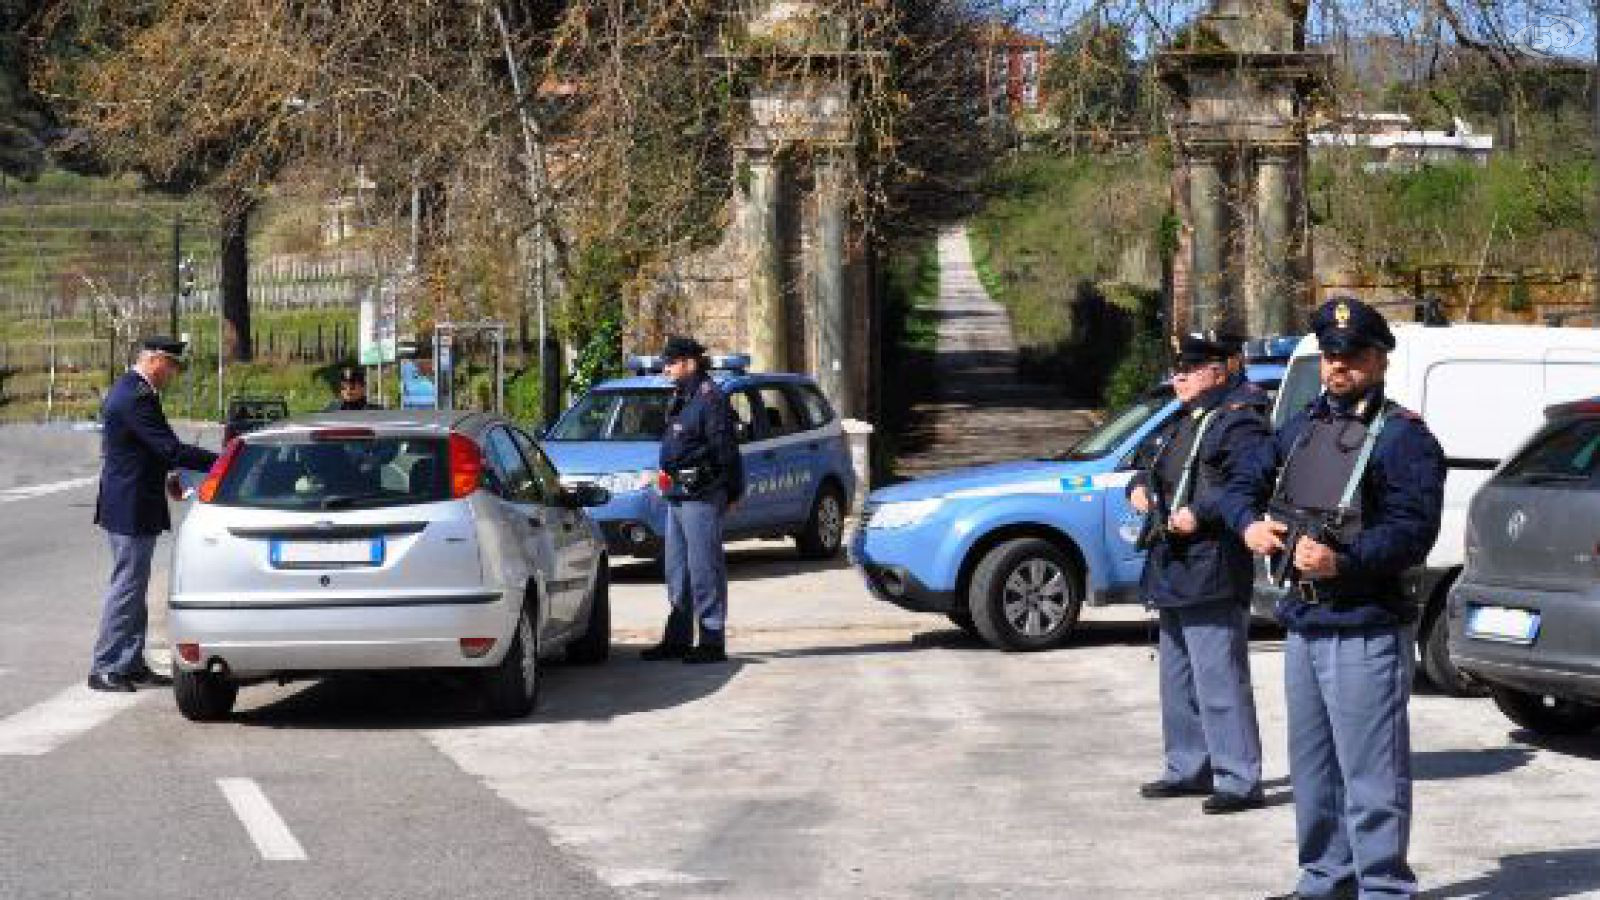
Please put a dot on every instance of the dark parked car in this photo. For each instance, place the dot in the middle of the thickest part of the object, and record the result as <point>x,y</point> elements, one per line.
<point>247,414</point>
<point>1525,614</point>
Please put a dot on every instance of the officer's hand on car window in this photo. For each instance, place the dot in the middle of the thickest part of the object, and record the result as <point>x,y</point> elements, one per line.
<point>1265,537</point>
<point>1315,560</point>
<point>1183,522</point>
<point>1140,498</point>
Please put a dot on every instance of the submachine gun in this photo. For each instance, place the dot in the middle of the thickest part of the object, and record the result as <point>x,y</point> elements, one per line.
<point>1154,528</point>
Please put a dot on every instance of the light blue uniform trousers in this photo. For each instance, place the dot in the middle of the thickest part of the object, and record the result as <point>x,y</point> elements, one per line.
<point>1208,713</point>
<point>697,572</point>
<point>119,649</point>
<point>1350,757</point>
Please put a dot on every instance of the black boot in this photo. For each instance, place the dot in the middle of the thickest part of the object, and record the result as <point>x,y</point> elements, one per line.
<point>675,641</point>
<point>713,648</point>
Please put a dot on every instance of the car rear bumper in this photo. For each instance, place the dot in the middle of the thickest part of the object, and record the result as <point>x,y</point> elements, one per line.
<point>1563,659</point>
<point>259,636</point>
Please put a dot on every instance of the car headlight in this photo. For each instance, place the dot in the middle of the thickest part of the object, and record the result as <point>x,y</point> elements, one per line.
<point>903,514</point>
<point>626,482</point>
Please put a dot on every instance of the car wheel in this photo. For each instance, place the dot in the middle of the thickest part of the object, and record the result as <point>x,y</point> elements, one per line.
<point>1437,664</point>
<point>203,696</point>
<point>1025,595</point>
<point>824,531</point>
<point>1545,715</point>
<point>594,645</point>
<point>512,687</point>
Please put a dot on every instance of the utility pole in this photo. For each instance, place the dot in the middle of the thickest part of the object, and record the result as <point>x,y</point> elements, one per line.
<point>177,271</point>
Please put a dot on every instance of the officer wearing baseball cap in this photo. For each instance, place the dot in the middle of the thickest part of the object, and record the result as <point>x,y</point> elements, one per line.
<point>139,450</point>
<point>352,391</point>
<point>702,474</point>
<point>1346,497</point>
<point>1198,576</point>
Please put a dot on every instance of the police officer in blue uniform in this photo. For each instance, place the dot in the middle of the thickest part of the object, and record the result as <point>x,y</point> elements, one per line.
<point>702,476</point>
<point>139,449</point>
<point>1198,575</point>
<point>352,392</point>
<point>1351,489</point>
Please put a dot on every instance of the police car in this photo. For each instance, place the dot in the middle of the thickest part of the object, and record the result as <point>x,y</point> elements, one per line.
<point>798,476</point>
<point>1012,551</point>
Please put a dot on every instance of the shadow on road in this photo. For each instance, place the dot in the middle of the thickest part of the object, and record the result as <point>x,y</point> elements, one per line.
<point>762,563</point>
<point>1544,875</point>
<point>1583,746</point>
<point>404,700</point>
<point>1444,765</point>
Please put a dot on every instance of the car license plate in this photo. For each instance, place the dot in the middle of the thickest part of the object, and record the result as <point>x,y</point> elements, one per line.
<point>1500,623</point>
<point>312,554</point>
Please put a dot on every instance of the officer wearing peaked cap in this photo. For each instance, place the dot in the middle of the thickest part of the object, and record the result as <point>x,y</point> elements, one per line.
<point>1198,576</point>
<point>1347,496</point>
<point>139,450</point>
<point>352,391</point>
<point>702,476</point>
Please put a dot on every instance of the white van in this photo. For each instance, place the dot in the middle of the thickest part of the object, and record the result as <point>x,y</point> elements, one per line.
<point>1482,389</point>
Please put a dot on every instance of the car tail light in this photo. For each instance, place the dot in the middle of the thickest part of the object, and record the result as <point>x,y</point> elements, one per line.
<point>466,466</point>
<point>663,481</point>
<point>190,653</point>
<point>219,471</point>
<point>475,647</point>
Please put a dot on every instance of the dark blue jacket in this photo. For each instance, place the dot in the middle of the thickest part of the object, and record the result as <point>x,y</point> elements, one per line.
<point>701,434</point>
<point>139,449</point>
<point>1401,496</point>
<point>1213,564</point>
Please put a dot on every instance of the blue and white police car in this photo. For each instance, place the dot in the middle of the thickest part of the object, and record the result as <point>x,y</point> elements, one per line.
<point>798,477</point>
<point>1012,551</point>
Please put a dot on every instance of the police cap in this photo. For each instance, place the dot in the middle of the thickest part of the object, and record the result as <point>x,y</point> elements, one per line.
<point>1195,349</point>
<point>352,375</point>
<point>1345,323</point>
<point>680,347</point>
<point>1229,341</point>
<point>166,346</point>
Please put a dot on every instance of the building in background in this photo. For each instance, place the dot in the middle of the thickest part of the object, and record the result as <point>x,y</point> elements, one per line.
<point>1392,142</point>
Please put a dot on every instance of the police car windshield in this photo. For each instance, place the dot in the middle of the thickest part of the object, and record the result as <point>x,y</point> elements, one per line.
<point>638,414</point>
<point>1111,435</point>
<point>1301,385</point>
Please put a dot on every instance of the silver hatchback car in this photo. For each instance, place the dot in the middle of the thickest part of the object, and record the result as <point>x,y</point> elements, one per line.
<point>1525,614</point>
<point>385,540</point>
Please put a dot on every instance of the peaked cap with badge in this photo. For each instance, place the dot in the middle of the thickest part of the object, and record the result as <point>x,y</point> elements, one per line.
<point>1344,324</point>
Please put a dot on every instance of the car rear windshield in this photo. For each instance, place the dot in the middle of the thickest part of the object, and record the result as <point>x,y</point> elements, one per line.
<point>631,415</point>
<point>338,474</point>
<point>1565,453</point>
<point>1302,383</point>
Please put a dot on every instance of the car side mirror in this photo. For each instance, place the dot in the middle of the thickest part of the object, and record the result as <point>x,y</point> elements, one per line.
<point>585,495</point>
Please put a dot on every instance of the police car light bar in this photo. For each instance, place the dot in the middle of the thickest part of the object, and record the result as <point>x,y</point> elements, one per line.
<point>653,365</point>
<point>1274,348</point>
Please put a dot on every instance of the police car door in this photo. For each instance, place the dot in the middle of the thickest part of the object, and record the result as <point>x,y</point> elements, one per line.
<point>747,414</point>
<point>574,542</point>
<point>786,447</point>
<point>759,510</point>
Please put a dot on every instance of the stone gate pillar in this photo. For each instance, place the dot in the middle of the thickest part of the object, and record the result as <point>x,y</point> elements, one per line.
<point>766,325</point>
<point>1269,290</point>
<point>833,314</point>
<point>1207,263</point>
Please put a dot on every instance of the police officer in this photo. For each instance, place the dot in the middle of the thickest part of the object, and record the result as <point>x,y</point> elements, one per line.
<point>702,475</point>
<point>1198,575</point>
<point>1369,477</point>
<point>139,450</point>
<point>352,391</point>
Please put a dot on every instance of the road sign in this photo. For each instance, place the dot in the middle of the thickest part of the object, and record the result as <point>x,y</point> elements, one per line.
<point>378,309</point>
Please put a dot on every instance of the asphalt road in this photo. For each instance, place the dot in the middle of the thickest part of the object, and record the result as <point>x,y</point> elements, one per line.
<point>850,750</point>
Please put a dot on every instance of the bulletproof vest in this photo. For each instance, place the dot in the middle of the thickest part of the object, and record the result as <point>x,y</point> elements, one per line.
<point>1169,466</point>
<point>1320,467</point>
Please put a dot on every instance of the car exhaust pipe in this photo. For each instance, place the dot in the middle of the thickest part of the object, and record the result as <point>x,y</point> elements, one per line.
<point>217,666</point>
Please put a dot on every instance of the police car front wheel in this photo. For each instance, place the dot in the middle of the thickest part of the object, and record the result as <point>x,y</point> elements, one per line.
<point>1025,595</point>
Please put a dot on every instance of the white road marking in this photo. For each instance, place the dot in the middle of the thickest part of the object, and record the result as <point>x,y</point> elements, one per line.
<point>45,726</point>
<point>28,492</point>
<point>271,834</point>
